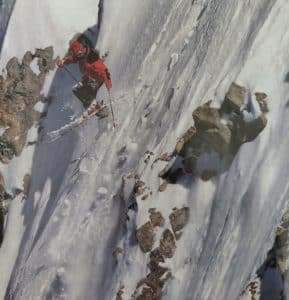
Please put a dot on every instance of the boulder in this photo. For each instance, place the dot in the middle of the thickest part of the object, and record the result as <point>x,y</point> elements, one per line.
<point>13,69</point>
<point>167,244</point>
<point>156,269</point>
<point>253,128</point>
<point>19,92</point>
<point>119,294</point>
<point>261,99</point>
<point>147,294</point>
<point>27,58</point>
<point>163,186</point>
<point>156,256</point>
<point>206,117</point>
<point>156,218</point>
<point>45,59</point>
<point>145,236</point>
<point>215,132</point>
<point>179,219</point>
<point>139,188</point>
<point>234,99</point>
<point>184,139</point>
<point>218,139</point>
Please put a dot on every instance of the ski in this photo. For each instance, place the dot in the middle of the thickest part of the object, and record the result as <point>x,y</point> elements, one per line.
<point>52,136</point>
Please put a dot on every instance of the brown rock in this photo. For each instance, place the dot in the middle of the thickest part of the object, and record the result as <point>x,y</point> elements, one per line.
<point>119,293</point>
<point>156,269</point>
<point>156,256</point>
<point>253,128</point>
<point>261,99</point>
<point>20,91</point>
<point>27,58</point>
<point>218,139</point>
<point>139,188</point>
<point>184,139</point>
<point>163,186</point>
<point>167,244</point>
<point>146,294</point>
<point>45,59</point>
<point>144,197</point>
<point>234,99</point>
<point>13,69</point>
<point>156,218</point>
<point>179,219</point>
<point>206,117</point>
<point>153,281</point>
<point>165,157</point>
<point>148,152</point>
<point>145,236</point>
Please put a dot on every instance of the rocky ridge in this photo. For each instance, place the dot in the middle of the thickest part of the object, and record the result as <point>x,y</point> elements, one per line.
<point>20,90</point>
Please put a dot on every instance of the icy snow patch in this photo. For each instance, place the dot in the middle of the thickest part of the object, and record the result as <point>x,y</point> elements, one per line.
<point>102,190</point>
<point>173,61</point>
<point>34,66</point>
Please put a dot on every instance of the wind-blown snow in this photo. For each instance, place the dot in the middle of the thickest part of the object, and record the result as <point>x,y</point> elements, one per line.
<point>72,220</point>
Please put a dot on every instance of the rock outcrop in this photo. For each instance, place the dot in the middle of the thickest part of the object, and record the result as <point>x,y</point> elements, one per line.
<point>156,218</point>
<point>19,92</point>
<point>179,219</point>
<point>221,131</point>
<point>151,287</point>
<point>145,236</point>
<point>274,267</point>
<point>234,99</point>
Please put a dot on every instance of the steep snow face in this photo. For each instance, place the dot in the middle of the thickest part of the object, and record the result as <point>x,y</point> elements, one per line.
<point>6,7</point>
<point>72,220</point>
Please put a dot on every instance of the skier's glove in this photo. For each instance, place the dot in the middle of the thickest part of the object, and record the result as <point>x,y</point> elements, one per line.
<point>61,63</point>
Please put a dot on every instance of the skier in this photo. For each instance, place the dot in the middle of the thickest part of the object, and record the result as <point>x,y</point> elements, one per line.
<point>93,68</point>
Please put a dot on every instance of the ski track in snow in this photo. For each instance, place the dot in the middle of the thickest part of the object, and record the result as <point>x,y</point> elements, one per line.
<point>67,229</point>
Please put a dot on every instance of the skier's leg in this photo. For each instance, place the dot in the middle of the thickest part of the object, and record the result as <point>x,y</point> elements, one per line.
<point>84,92</point>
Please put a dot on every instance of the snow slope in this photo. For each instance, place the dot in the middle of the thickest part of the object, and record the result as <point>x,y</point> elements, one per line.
<point>6,7</point>
<point>71,222</point>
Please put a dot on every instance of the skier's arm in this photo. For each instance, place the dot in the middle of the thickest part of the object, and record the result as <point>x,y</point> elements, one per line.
<point>103,73</point>
<point>66,60</point>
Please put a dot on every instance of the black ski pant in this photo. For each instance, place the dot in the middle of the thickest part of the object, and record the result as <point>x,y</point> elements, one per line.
<point>86,91</point>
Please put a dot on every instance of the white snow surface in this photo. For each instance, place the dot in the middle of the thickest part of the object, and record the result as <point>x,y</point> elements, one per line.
<point>59,241</point>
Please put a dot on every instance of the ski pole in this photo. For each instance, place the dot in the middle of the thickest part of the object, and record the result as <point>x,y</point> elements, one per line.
<point>112,114</point>
<point>71,75</point>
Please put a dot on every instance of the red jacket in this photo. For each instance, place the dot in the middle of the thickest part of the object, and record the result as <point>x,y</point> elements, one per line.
<point>95,70</point>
